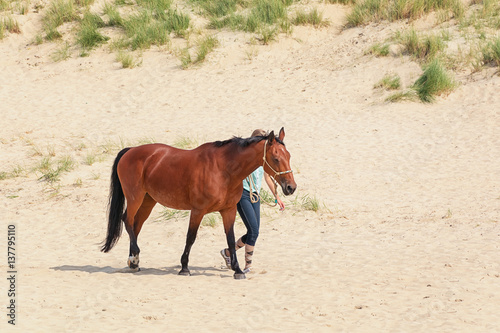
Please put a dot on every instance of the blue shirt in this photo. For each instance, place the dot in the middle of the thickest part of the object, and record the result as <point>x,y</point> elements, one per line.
<point>257,176</point>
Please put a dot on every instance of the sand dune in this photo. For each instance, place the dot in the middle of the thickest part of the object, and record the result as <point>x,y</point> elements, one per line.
<point>406,240</point>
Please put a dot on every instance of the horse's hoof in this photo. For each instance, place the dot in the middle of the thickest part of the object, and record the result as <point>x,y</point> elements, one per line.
<point>132,265</point>
<point>239,276</point>
<point>185,273</point>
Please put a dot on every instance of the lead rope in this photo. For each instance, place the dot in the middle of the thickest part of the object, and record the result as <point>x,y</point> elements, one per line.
<point>255,196</point>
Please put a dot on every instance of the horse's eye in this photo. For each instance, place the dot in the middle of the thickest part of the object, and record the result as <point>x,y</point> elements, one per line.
<point>276,160</point>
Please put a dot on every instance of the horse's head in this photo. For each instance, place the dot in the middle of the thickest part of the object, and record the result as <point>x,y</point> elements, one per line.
<point>277,162</point>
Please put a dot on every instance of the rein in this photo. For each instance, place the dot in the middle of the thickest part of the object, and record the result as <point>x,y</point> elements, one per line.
<point>254,196</point>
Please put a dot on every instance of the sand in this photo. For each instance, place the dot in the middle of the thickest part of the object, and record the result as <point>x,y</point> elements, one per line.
<point>406,238</point>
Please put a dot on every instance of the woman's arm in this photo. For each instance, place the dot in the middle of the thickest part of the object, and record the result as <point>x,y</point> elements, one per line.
<point>271,186</point>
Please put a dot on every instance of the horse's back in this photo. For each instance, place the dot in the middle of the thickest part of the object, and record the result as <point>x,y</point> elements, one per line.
<point>174,177</point>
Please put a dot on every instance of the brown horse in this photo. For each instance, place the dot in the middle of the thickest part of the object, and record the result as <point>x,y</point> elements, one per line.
<point>203,180</point>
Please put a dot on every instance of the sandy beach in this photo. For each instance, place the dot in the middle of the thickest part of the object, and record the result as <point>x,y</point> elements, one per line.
<point>406,237</point>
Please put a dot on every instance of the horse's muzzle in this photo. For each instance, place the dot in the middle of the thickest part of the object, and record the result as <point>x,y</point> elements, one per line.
<point>288,189</point>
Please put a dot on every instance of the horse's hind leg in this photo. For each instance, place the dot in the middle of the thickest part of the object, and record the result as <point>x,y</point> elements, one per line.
<point>134,229</point>
<point>140,217</point>
<point>129,219</point>
<point>194,223</point>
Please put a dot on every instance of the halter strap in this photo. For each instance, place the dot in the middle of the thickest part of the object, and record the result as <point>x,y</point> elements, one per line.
<point>254,196</point>
<point>276,173</point>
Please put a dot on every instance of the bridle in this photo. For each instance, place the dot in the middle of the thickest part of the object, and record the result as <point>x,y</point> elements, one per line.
<point>276,173</point>
<point>254,197</point>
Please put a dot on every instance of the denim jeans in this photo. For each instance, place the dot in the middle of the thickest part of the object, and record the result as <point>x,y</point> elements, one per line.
<point>250,214</point>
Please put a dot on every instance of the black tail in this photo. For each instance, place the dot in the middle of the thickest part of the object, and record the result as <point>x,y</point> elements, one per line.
<point>115,206</point>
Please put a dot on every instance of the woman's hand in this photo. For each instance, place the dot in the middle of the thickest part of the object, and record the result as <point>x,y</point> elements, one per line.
<point>280,203</point>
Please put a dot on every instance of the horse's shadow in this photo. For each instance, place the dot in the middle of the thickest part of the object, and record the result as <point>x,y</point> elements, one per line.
<point>173,270</point>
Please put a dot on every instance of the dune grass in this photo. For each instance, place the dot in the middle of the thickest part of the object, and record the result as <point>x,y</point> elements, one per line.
<point>114,17</point>
<point>204,46</point>
<point>61,53</point>
<point>127,60</point>
<point>210,220</point>
<point>153,26</point>
<point>88,36</point>
<point>218,8</point>
<point>312,17</point>
<point>421,47</point>
<point>59,12</point>
<point>367,11</point>
<point>265,17</point>
<point>389,82</point>
<point>51,172</point>
<point>9,24</point>
<point>434,81</point>
<point>379,49</point>
<point>404,95</point>
<point>491,52</point>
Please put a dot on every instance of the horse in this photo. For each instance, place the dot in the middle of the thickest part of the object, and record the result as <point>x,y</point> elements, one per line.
<point>206,179</point>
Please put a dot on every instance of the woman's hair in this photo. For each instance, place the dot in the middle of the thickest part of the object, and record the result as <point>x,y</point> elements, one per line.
<point>259,132</point>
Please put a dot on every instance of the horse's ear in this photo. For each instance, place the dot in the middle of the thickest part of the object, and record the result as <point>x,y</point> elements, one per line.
<point>282,134</point>
<point>270,138</point>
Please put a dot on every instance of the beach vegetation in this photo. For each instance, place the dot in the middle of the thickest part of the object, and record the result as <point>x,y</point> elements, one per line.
<point>169,214</point>
<point>186,143</point>
<point>9,24</point>
<point>434,81</point>
<point>379,49</point>
<point>404,95</point>
<point>268,34</point>
<point>343,2</point>
<point>312,17</point>
<point>204,46</point>
<point>62,53</point>
<point>114,17</point>
<point>51,171</point>
<point>210,220</point>
<point>310,203</point>
<point>389,82</point>
<point>128,60</point>
<point>421,47</point>
<point>491,52</point>
<point>368,11</point>
<point>88,35</point>
<point>58,12</point>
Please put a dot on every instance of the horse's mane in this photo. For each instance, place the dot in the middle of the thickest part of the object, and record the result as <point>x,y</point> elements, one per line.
<point>242,142</point>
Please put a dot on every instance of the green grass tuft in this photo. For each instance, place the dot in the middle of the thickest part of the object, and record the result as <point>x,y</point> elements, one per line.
<point>210,220</point>
<point>88,36</point>
<point>491,52</point>
<point>389,82</point>
<point>114,17</point>
<point>310,203</point>
<point>59,11</point>
<point>127,60</point>
<point>367,11</point>
<point>422,48</point>
<point>434,81</point>
<point>405,95</point>
<point>313,17</point>
<point>10,24</point>
<point>379,50</point>
<point>62,53</point>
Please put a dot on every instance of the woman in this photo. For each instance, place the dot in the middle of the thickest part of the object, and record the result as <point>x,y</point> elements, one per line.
<point>250,212</point>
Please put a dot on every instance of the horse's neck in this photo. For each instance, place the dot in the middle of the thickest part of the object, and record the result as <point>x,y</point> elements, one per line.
<point>247,160</point>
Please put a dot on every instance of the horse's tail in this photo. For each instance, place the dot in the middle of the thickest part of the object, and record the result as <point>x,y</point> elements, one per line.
<point>115,206</point>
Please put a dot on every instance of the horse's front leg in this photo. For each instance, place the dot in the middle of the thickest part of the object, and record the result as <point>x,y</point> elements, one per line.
<point>194,224</point>
<point>228,217</point>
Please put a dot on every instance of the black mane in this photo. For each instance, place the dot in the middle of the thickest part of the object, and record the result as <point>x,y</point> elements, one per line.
<point>241,142</point>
